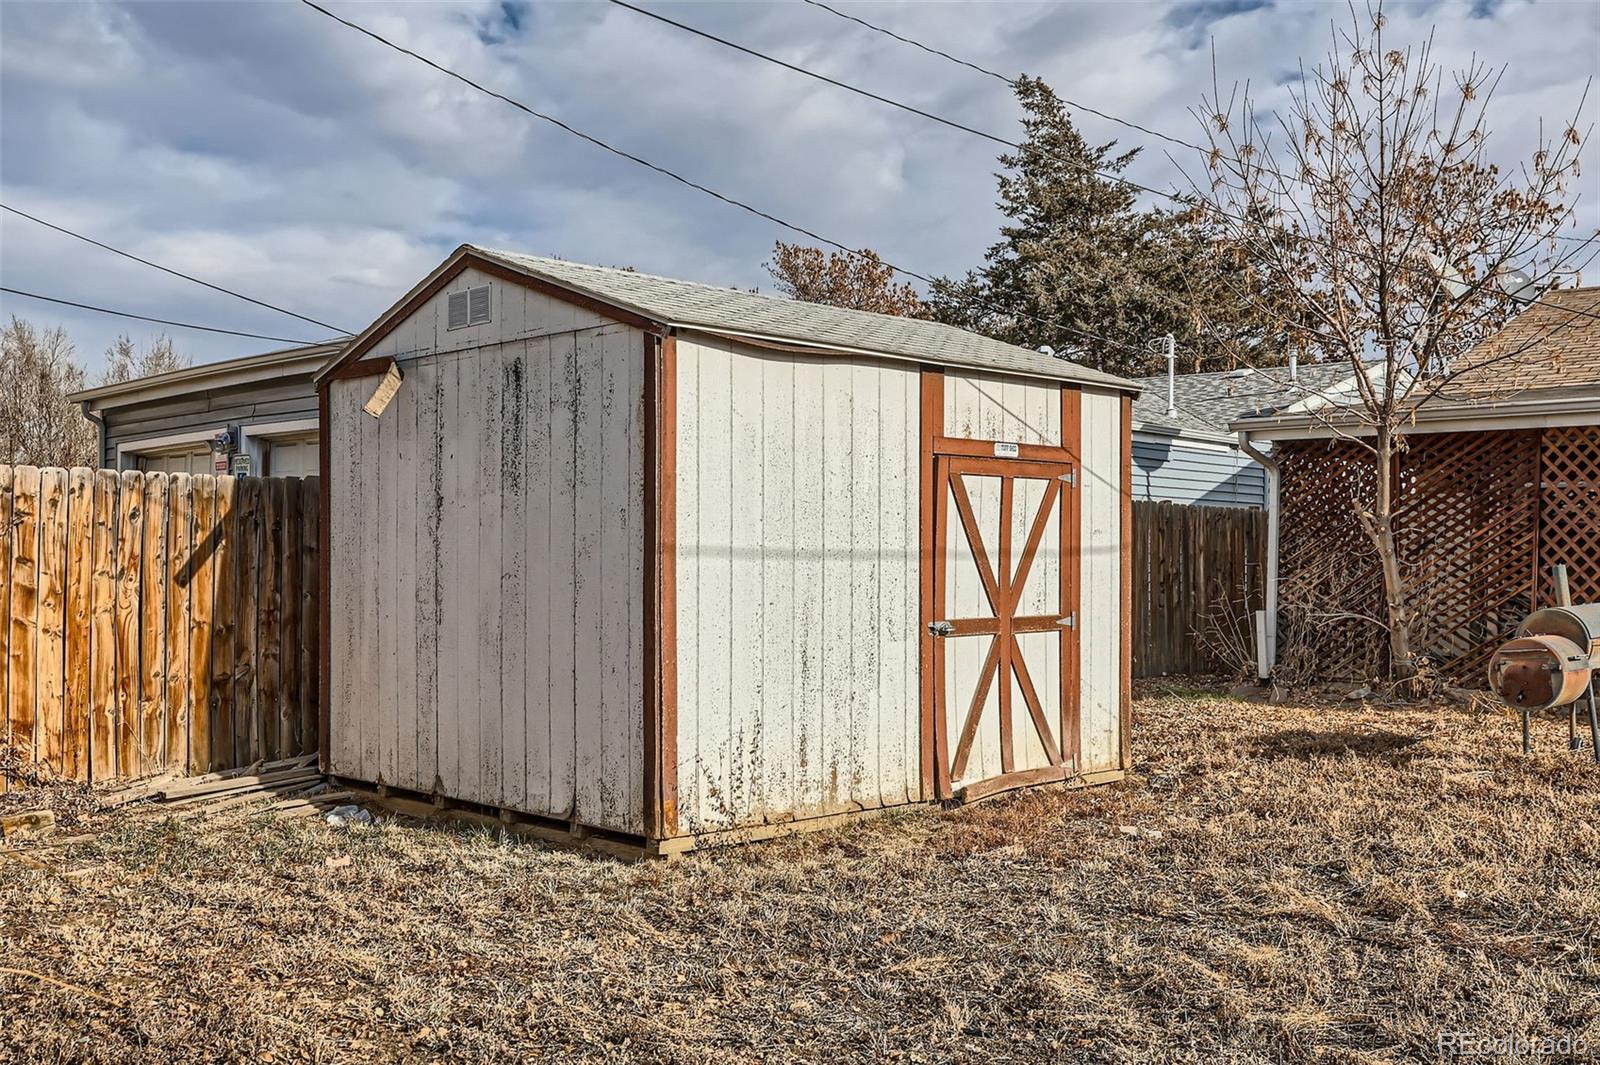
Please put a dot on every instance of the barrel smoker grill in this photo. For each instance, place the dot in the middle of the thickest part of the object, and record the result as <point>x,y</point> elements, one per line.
<point>1551,664</point>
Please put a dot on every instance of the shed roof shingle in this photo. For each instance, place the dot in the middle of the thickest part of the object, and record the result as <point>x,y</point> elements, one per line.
<point>689,303</point>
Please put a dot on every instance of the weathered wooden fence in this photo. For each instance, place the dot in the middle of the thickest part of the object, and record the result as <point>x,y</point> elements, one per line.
<point>151,622</point>
<point>1192,566</point>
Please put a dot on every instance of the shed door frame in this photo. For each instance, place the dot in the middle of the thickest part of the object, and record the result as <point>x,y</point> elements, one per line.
<point>936,783</point>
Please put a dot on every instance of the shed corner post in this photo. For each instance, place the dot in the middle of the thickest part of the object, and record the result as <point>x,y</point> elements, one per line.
<point>1125,608</point>
<point>931,427</point>
<point>661,585</point>
<point>1071,550</point>
<point>324,599</point>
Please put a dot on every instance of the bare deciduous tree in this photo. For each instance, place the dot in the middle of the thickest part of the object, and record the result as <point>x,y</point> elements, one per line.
<point>39,426</point>
<point>860,281</point>
<point>125,362</point>
<point>1371,195</point>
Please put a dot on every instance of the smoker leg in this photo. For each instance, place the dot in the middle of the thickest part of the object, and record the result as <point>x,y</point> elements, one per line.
<point>1573,743</point>
<point>1527,740</point>
<point>1594,725</point>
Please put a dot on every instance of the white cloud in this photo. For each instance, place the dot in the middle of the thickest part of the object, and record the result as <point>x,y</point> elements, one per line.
<point>270,150</point>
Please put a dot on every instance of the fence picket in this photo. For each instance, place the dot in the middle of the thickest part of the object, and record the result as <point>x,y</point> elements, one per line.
<point>200,572</point>
<point>180,548</point>
<point>130,600</point>
<point>22,680</point>
<point>223,747</point>
<point>103,631</point>
<point>50,719</point>
<point>6,536</point>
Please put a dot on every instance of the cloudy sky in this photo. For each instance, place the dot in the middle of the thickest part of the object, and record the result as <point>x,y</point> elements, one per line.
<point>268,149</point>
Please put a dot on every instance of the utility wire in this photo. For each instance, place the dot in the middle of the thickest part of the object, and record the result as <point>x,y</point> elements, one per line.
<point>158,321</point>
<point>929,115</point>
<point>679,178</point>
<point>1071,103</point>
<point>917,44</point>
<point>733,201</point>
<point>1181,200</point>
<point>1008,80</point>
<point>169,270</point>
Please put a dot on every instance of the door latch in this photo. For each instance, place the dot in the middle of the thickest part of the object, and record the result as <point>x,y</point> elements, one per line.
<point>941,628</point>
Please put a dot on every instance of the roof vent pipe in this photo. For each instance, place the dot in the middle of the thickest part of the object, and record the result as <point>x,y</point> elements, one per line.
<point>1294,367</point>
<point>1172,374</point>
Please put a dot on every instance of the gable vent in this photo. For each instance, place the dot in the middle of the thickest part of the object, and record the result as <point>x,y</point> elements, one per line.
<point>468,307</point>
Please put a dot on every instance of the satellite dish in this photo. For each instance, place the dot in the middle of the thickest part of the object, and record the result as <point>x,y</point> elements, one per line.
<point>1516,284</point>
<point>1046,349</point>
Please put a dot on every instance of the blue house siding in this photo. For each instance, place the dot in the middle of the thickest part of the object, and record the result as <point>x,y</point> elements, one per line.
<point>1170,470</point>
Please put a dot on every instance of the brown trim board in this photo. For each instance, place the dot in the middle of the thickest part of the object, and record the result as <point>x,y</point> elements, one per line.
<point>931,419</point>
<point>324,605</point>
<point>664,550</point>
<point>1125,609</point>
<point>1072,581</point>
<point>468,260</point>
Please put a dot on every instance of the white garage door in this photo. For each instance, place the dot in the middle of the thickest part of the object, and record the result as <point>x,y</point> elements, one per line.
<point>189,459</point>
<point>294,457</point>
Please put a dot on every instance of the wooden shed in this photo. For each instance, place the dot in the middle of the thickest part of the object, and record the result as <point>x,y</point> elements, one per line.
<point>660,561</point>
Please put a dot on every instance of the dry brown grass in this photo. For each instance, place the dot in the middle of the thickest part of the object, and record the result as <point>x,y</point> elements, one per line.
<point>1277,883</point>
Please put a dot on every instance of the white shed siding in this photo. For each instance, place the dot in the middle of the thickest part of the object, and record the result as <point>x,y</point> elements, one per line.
<point>487,568</point>
<point>797,493</point>
<point>1017,410</point>
<point>1100,646</point>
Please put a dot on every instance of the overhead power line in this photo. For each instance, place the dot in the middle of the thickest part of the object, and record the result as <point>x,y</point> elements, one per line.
<point>732,201</point>
<point>169,270</point>
<point>1129,123</point>
<point>915,44</point>
<point>158,321</point>
<point>674,175</point>
<point>929,115</point>
<point>1177,198</point>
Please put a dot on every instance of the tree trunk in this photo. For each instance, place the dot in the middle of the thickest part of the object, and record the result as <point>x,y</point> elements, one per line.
<point>1380,526</point>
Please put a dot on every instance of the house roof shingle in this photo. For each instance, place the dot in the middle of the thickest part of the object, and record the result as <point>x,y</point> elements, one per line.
<point>691,304</point>
<point>1209,402</point>
<point>1553,343</point>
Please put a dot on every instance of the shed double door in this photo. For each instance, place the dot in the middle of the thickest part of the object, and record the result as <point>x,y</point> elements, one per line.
<point>1004,628</point>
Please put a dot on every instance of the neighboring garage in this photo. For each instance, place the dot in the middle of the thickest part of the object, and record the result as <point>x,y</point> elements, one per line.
<point>256,414</point>
<point>665,561</point>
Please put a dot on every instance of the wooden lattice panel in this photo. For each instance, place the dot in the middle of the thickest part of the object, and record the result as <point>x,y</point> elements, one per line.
<point>1480,518</point>
<point>1466,522</point>
<point>1330,584</point>
<point>1569,514</point>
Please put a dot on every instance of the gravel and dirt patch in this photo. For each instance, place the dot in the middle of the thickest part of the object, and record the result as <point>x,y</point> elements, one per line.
<point>1275,883</point>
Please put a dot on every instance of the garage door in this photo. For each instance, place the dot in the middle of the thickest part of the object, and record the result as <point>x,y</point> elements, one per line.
<point>196,459</point>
